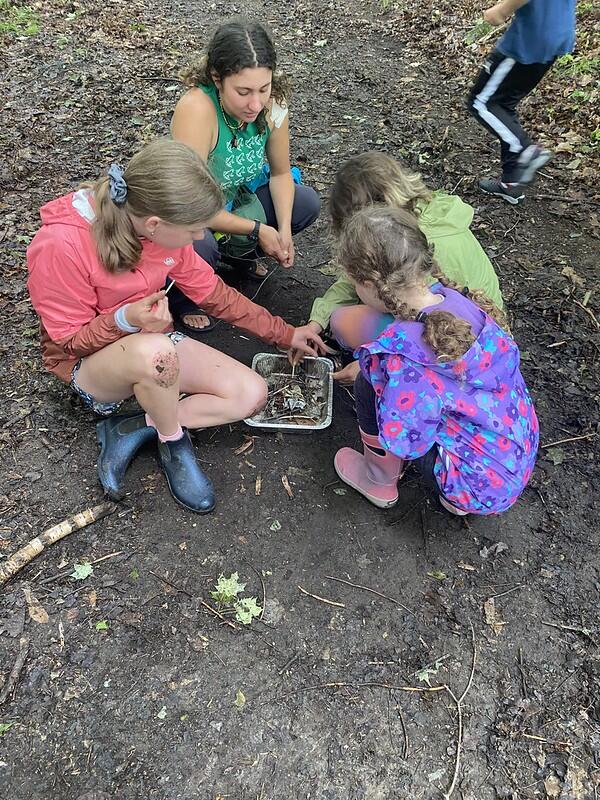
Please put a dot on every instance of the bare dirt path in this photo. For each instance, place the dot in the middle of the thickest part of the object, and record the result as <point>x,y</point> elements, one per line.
<point>129,689</point>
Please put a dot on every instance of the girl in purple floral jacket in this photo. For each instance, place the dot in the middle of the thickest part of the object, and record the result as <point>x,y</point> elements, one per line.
<point>440,383</point>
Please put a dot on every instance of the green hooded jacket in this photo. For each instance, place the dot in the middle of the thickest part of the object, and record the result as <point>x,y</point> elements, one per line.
<point>445,221</point>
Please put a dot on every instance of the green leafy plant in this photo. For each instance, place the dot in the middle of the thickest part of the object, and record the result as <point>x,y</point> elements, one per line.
<point>102,625</point>
<point>22,21</point>
<point>5,727</point>
<point>227,596</point>
<point>82,571</point>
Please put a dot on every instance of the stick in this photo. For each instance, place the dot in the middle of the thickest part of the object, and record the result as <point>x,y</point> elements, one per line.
<point>367,685</point>
<point>218,614</point>
<point>373,591</point>
<point>172,585</point>
<point>27,553</point>
<point>459,701</point>
<point>589,312</point>
<point>69,572</point>
<point>321,599</point>
<point>15,672</point>
<point>546,741</point>
<point>570,439</point>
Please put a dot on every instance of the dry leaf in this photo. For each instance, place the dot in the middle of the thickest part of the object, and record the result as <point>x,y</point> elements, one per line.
<point>463,565</point>
<point>258,485</point>
<point>552,786</point>
<point>92,598</point>
<point>287,487</point>
<point>245,447</point>
<point>36,611</point>
<point>491,616</point>
<point>570,273</point>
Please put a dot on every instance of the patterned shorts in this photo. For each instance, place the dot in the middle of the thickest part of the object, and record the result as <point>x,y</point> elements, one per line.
<point>98,407</point>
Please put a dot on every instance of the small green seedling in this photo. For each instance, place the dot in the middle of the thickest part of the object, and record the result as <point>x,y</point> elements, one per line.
<point>226,596</point>
<point>82,571</point>
<point>5,727</point>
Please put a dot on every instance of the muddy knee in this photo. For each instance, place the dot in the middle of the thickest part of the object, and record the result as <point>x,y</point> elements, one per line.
<point>160,360</point>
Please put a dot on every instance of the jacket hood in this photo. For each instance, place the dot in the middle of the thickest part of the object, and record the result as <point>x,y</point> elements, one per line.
<point>68,210</point>
<point>494,353</point>
<point>444,215</point>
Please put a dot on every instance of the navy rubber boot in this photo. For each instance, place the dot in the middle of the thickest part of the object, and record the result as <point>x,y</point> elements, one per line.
<point>120,437</point>
<point>187,483</point>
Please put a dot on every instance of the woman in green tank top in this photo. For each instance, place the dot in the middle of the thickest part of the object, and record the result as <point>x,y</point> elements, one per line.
<point>235,116</point>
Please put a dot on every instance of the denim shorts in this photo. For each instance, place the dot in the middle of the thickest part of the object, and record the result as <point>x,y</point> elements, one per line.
<point>98,407</point>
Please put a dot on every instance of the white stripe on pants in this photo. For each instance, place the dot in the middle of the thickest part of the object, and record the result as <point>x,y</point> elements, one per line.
<point>481,100</point>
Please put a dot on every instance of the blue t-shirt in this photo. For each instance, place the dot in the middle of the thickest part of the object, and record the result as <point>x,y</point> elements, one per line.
<point>540,31</point>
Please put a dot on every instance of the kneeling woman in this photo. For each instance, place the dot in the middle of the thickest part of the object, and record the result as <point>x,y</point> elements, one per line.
<point>235,116</point>
<point>96,269</point>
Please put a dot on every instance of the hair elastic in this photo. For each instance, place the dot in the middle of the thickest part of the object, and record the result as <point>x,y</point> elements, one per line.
<point>421,317</point>
<point>117,186</point>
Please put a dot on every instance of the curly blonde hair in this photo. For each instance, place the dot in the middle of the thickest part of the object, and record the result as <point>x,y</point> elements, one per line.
<point>373,178</point>
<point>386,247</point>
<point>234,46</point>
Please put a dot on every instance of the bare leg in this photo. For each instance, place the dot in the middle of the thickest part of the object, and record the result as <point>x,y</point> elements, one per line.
<point>148,365</point>
<point>144,364</point>
<point>219,388</point>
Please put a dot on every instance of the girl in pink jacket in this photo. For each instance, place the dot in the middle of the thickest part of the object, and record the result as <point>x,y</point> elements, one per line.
<point>96,268</point>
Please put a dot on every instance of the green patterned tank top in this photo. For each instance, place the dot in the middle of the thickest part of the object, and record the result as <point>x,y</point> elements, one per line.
<point>234,166</point>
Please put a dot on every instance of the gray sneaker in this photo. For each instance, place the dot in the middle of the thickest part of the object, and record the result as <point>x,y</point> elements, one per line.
<point>511,192</point>
<point>532,159</point>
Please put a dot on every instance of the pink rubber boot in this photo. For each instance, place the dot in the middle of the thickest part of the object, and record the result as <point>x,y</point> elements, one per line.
<point>372,475</point>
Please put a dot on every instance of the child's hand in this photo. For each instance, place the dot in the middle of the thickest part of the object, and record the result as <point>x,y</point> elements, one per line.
<point>306,342</point>
<point>348,374</point>
<point>150,313</point>
<point>495,15</point>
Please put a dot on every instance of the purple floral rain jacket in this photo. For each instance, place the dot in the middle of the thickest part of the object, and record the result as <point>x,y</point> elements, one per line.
<point>476,411</point>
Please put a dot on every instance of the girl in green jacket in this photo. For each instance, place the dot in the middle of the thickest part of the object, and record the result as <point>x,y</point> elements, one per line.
<point>376,178</point>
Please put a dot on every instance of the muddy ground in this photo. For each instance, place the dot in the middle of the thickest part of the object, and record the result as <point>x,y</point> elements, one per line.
<point>130,685</point>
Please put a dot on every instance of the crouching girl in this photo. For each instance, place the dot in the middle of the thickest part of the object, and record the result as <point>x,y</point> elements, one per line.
<point>440,384</point>
<point>96,269</point>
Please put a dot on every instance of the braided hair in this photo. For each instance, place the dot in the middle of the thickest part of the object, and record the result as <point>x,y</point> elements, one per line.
<point>384,246</point>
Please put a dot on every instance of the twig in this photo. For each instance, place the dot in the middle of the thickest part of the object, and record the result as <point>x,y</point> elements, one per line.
<point>262,584</point>
<point>321,599</point>
<point>589,312</point>
<point>373,591</point>
<point>570,439</point>
<point>583,631</point>
<point>349,685</point>
<point>15,672</point>
<point>546,741</point>
<point>508,591</point>
<point>218,614</point>
<point>407,512</point>
<point>459,701</point>
<point>171,584</point>
<point>64,574</point>
<point>36,546</point>
<point>289,663</point>
<point>565,199</point>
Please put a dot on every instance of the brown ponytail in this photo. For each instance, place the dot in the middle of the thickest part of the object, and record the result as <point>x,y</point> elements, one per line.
<point>166,179</point>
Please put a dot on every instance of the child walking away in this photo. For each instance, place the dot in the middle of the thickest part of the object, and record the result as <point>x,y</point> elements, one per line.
<point>440,386</point>
<point>374,178</point>
<point>96,268</point>
<point>541,30</point>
